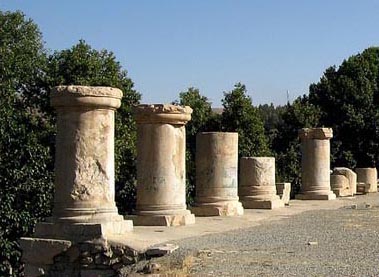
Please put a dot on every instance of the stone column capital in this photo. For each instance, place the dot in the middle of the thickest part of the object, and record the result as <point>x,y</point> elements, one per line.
<point>315,133</point>
<point>162,114</point>
<point>72,96</point>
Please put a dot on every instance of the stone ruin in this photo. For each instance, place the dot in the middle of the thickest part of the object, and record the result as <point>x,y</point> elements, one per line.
<point>82,237</point>
<point>284,192</point>
<point>343,182</point>
<point>217,175</point>
<point>84,213</point>
<point>161,174</point>
<point>315,164</point>
<point>367,179</point>
<point>257,188</point>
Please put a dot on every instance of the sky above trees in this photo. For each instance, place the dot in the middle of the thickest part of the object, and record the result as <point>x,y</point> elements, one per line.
<point>168,46</point>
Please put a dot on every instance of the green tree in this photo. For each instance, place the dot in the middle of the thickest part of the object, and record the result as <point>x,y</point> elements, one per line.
<point>26,163</point>
<point>272,117</point>
<point>201,116</point>
<point>348,99</point>
<point>82,65</point>
<point>239,115</point>
<point>286,145</point>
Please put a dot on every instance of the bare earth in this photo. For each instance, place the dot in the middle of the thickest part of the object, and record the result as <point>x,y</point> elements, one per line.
<point>339,239</point>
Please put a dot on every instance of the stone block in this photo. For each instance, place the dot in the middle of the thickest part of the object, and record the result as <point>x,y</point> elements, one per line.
<point>161,250</point>
<point>220,209</point>
<point>330,196</point>
<point>368,176</point>
<point>343,181</point>
<point>264,204</point>
<point>82,231</point>
<point>340,185</point>
<point>162,220</point>
<point>42,251</point>
<point>284,192</point>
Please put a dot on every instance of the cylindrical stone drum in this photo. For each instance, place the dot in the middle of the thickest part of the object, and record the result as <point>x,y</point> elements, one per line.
<point>338,184</point>
<point>257,189</point>
<point>216,174</point>
<point>315,164</point>
<point>161,176</point>
<point>84,161</point>
<point>368,176</point>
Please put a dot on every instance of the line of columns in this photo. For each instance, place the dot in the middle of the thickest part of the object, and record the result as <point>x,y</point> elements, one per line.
<point>84,167</point>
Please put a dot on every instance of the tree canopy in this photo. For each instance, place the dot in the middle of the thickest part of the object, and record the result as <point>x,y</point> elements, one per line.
<point>239,115</point>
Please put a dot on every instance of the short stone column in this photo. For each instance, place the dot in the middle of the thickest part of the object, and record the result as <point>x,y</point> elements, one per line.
<point>315,164</point>
<point>84,197</point>
<point>368,176</point>
<point>217,175</point>
<point>257,189</point>
<point>161,175</point>
<point>343,182</point>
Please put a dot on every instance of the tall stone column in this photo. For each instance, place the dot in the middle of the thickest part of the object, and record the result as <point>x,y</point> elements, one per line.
<point>84,198</point>
<point>216,175</point>
<point>161,175</point>
<point>368,176</point>
<point>315,164</point>
<point>257,188</point>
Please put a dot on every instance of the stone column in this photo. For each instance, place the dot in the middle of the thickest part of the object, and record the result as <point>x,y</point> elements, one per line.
<point>84,196</point>
<point>369,176</point>
<point>257,189</point>
<point>315,164</point>
<point>216,175</point>
<point>343,182</point>
<point>161,176</point>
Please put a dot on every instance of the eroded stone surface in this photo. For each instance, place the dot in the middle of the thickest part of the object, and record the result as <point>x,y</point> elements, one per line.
<point>368,176</point>
<point>257,188</point>
<point>343,182</point>
<point>84,205</point>
<point>315,164</point>
<point>161,197</point>
<point>216,175</point>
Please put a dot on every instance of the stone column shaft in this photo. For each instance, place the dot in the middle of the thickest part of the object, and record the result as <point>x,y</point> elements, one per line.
<point>257,188</point>
<point>369,176</point>
<point>161,176</point>
<point>216,175</point>
<point>315,164</point>
<point>84,164</point>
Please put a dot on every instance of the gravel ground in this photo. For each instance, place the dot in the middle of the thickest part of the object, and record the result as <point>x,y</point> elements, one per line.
<point>341,242</point>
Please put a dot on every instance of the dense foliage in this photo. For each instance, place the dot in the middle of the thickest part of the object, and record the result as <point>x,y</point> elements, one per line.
<point>348,100</point>
<point>239,115</point>
<point>26,162</point>
<point>27,126</point>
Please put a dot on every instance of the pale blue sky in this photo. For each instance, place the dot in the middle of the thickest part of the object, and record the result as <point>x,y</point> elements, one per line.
<point>168,46</point>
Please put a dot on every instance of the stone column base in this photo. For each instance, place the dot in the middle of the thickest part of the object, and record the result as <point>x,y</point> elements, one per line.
<point>263,204</point>
<point>82,231</point>
<point>330,196</point>
<point>52,257</point>
<point>284,192</point>
<point>162,220</point>
<point>220,209</point>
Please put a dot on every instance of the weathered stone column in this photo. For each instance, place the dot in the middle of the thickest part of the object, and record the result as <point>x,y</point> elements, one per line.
<point>84,164</point>
<point>369,176</point>
<point>343,182</point>
<point>257,189</point>
<point>216,175</point>
<point>161,176</point>
<point>315,164</point>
